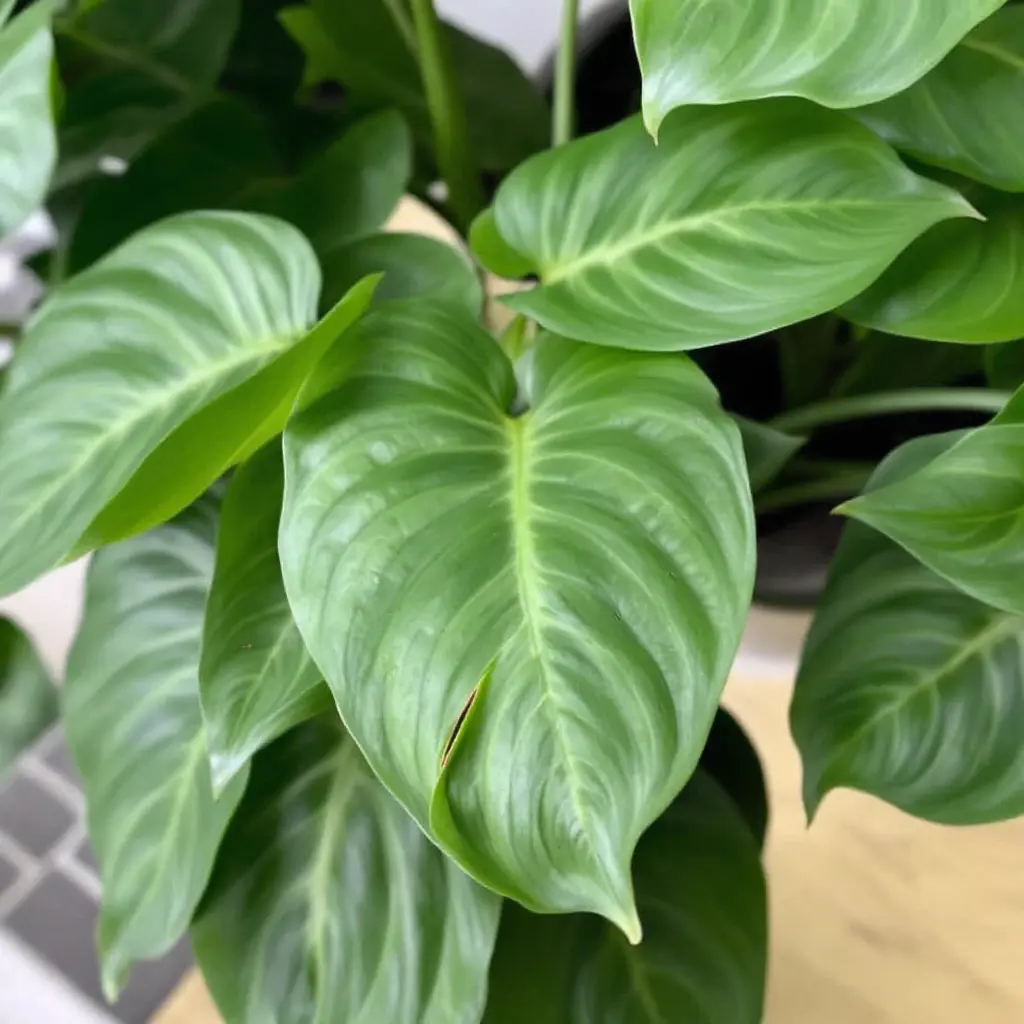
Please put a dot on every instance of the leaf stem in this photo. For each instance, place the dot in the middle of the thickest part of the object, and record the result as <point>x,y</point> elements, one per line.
<point>563,126</point>
<point>840,485</point>
<point>447,115</point>
<point>888,403</point>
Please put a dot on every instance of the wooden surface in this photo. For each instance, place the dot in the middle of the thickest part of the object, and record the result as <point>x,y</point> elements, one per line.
<point>876,918</point>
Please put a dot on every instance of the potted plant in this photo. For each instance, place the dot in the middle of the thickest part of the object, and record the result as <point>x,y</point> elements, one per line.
<point>398,683</point>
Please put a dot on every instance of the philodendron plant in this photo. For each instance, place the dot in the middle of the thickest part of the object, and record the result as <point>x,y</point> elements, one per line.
<point>399,679</point>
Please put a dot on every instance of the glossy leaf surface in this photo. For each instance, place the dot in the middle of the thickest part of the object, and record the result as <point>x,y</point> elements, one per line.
<point>701,896</point>
<point>841,53</point>
<point>28,144</point>
<point>28,700</point>
<point>134,726</point>
<point>328,904</point>
<point>141,380</point>
<point>256,679</point>
<point>965,114</point>
<point>499,601</point>
<point>909,689</point>
<point>741,220</point>
<point>963,514</point>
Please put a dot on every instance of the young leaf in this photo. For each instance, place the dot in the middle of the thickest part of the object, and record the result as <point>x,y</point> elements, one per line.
<point>843,54</point>
<point>963,513</point>
<point>909,689</point>
<point>327,903</point>
<point>131,711</point>
<point>960,282</point>
<point>256,679</point>
<point>727,229</point>
<point>28,700</point>
<point>1004,365</point>
<point>526,622</point>
<point>965,114</point>
<point>28,144</point>
<point>141,380</point>
<point>767,451</point>
<point>702,900</point>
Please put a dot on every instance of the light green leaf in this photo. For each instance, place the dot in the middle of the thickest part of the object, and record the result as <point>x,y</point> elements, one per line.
<point>960,282</point>
<point>256,679</point>
<point>28,143</point>
<point>729,228</point>
<point>843,53</point>
<point>329,905</point>
<point>493,252</point>
<point>767,451</point>
<point>412,265</point>
<point>131,712</point>
<point>965,114</point>
<point>1004,365</point>
<point>909,689</point>
<point>28,701</point>
<point>141,380</point>
<point>526,622</point>
<point>962,515</point>
<point>702,900</point>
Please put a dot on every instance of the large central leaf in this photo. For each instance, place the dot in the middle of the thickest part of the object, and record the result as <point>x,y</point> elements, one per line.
<point>526,622</point>
<point>741,220</point>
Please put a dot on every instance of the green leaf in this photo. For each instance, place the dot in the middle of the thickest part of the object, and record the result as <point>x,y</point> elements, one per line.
<point>28,144</point>
<point>256,679</point>
<point>960,282</point>
<point>328,903</point>
<point>28,701</point>
<point>887,362</point>
<point>701,894</point>
<point>131,712</point>
<point>412,265</point>
<point>493,252</point>
<point>962,515</point>
<point>526,622</point>
<point>909,689</point>
<point>847,55</point>
<point>1004,365</point>
<point>727,229</point>
<point>767,451</point>
<point>143,379</point>
<point>965,114</point>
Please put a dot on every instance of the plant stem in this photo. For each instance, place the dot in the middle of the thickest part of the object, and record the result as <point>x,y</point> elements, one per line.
<point>887,403</point>
<point>447,115</point>
<point>841,485</point>
<point>565,76</point>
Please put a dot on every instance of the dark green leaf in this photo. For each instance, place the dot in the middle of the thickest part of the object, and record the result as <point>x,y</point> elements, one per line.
<point>1004,365</point>
<point>886,362</point>
<point>767,451</point>
<point>841,55</point>
<point>701,896</point>
<point>328,903</point>
<point>141,380</point>
<point>526,622</point>
<point>492,251</point>
<point>729,228</point>
<point>909,689</point>
<point>131,711</point>
<point>28,701</point>
<point>807,358</point>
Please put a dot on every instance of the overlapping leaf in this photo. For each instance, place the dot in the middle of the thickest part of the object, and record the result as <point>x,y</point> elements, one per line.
<point>1004,365</point>
<point>743,219</point>
<point>131,711</point>
<point>28,700</point>
<point>328,903</point>
<point>962,514</point>
<point>839,53</point>
<point>908,688</point>
<point>141,380</point>
<point>701,896</point>
<point>526,622</point>
<point>767,451</point>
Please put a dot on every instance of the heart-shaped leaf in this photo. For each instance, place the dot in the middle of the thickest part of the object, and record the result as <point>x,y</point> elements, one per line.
<point>909,689</point>
<point>843,54</point>
<point>959,282</point>
<point>1004,365</point>
<point>965,114</point>
<point>141,380</point>
<point>256,679</point>
<point>728,228</point>
<point>526,622</point>
<point>28,144</point>
<point>328,904</point>
<point>701,896</point>
<point>963,513</point>
<point>28,700</point>
<point>135,730</point>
